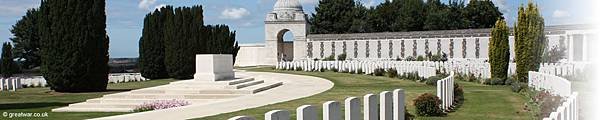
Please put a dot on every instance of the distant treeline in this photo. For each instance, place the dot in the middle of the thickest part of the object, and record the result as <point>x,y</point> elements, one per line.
<point>347,16</point>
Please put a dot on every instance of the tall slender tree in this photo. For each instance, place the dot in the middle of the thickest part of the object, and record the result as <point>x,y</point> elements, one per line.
<point>529,40</point>
<point>333,16</point>
<point>482,13</point>
<point>499,50</point>
<point>8,66</point>
<point>74,45</point>
<point>152,51</point>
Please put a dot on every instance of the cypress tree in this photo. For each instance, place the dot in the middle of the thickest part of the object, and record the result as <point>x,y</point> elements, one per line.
<point>529,40</point>
<point>74,45</point>
<point>8,66</point>
<point>333,16</point>
<point>411,15</point>
<point>152,53</point>
<point>499,51</point>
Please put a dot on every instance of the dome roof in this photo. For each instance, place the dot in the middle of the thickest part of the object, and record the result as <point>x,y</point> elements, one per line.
<point>288,5</point>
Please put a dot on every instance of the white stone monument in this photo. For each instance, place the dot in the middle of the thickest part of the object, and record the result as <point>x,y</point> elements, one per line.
<point>214,67</point>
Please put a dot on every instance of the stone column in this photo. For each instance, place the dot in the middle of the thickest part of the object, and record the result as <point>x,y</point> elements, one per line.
<point>214,67</point>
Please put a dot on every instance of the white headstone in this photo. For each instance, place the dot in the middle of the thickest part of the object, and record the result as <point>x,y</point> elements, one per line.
<point>352,108</point>
<point>399,110</point>
<point>306,112</point>
<point>277,115</point>
<point>370,107</point>
<point>385,105</point>
<point>332,111</point>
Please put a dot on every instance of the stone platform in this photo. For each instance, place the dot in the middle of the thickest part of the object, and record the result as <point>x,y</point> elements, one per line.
<point>193,91</point>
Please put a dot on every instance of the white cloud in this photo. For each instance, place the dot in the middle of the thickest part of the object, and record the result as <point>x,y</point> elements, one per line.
<point>309,1</point>
<point>234,13</point>
<point>560,14</point>
<point>145,4</point>
<point>160,6</point>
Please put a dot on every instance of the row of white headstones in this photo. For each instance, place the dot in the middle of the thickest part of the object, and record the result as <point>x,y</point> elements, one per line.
<point>546,79</point>
<point>390,106</point>
<point>14,83</point>
<point>568,110</point>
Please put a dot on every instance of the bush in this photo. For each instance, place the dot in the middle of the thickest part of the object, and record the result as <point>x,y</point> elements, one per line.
<point>378,72</point>
<point>542,103</point>
<point>518,86</point>
<point>359,71</point>
<point>420,58</point>
<point>330,58</point>
<point>497,81</point>
<point>392,73</point>
<point>458,94</point>
<point>341,57</point>
<point>428,104</point>
<point>433,80</point>
<point>410,58</point>
<point>334,69</point>
<point>298,69</point>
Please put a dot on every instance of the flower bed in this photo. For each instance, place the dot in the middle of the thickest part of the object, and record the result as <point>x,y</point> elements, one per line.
<point>160,104</point>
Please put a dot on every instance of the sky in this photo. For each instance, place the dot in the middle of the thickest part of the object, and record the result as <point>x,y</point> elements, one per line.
<point>125,17</point>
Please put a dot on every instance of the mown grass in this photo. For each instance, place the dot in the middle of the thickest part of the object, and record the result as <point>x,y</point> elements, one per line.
<point>481,101</point>
<point>43,100</point>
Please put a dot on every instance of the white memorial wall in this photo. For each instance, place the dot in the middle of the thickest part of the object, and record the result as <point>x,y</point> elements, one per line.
<point>39,81</point>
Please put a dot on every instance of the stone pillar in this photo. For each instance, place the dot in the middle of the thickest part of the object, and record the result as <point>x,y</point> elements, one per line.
<point>584,47</point>
<point>332,110</point>
<point>570,49</point>
<point>352,108</point>
<point>214,67</point>
<point>306,112</point>
<point>277,115</point>
<point>370,107</point>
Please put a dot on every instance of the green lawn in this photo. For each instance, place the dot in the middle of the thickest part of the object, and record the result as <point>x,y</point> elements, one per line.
<point>43,100</point>
<point>482,102</point>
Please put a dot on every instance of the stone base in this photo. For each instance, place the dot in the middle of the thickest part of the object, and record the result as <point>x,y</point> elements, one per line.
<point>214,76</point>
<point>214,67</point>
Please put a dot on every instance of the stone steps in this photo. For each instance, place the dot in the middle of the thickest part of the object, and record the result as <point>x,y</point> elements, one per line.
<point>138,101</point>
<point>70,109</point>
<point>171,96</point>
<point>193,91</point>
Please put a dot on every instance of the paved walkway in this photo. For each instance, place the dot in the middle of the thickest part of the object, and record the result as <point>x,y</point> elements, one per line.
<point>294,87</point>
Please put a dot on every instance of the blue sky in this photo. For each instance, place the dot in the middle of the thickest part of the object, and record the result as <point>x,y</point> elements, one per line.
<point>125,17</point>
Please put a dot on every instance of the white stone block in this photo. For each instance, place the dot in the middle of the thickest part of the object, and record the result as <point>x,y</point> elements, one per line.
<point>332,110</point>
<point>352,109</point>
<point>385,105</point>
<point>398,98</point>
<point>277,115</point>
<point>370,107</point>
<point>214,67</point>
<point>306,112</point>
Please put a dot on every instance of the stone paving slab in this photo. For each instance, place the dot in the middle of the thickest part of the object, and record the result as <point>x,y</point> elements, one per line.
<point>294,87</point>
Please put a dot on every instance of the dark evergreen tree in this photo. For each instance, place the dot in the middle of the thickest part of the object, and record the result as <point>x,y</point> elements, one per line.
<point>436,17</point>
<point>8,66</point>
<point>151,50</point>
<point>482,13</point>
<point>74,45</point>
<point>333,16</point>
<point>499,50</point>
<point>26,40</point>
<point>411,15</point>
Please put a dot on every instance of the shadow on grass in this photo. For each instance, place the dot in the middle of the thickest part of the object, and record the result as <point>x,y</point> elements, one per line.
<point>30,105</point>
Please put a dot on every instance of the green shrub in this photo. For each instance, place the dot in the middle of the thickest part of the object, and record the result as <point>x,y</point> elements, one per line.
<point>497,81</point>
<point>487,81</point>
<point>341,57</point>
<point>420,58</point>
<point>410,58</point>
<point>518,86</point>
<point>360,71</point>
<point>298,69</point>
<point>330,58</point>
<point>378,72</point>
<point>334,69</point>
<point>458,94</point>
<point>392,73</point>
<point>433,80</point>
<point>428,104</point>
